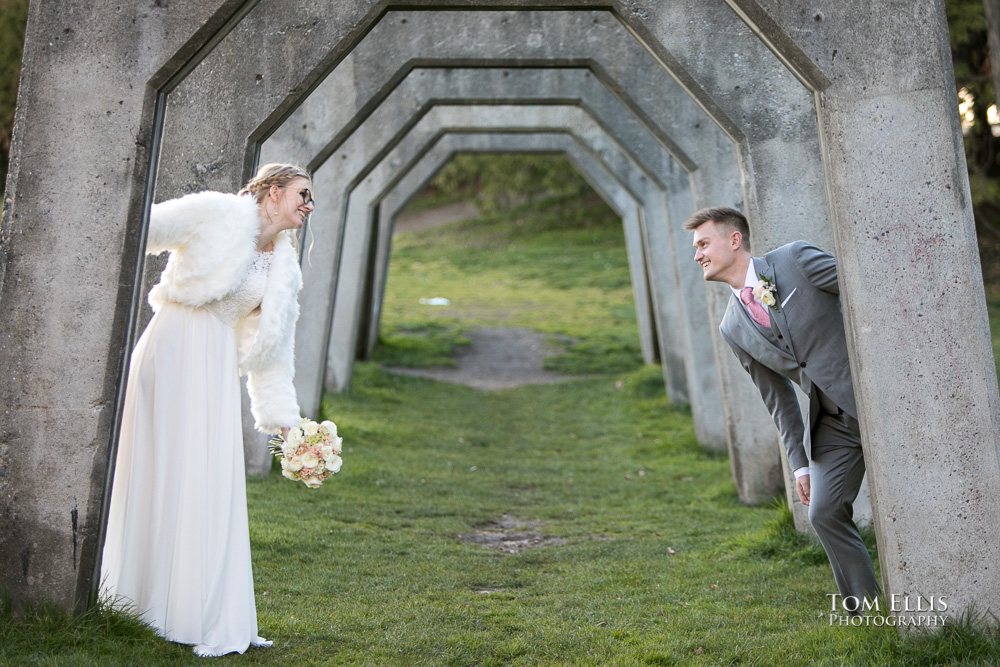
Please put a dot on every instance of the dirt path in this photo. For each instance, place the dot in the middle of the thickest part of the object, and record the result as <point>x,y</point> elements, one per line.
<point>497,358</point>
<point>435,217</point>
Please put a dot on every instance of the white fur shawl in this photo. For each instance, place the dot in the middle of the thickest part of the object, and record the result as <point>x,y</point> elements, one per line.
<point>212,238</point>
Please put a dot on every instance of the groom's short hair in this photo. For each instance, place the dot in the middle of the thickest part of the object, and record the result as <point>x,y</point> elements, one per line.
<point>722,215</point>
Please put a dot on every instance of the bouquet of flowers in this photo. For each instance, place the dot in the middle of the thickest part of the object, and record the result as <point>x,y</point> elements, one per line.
<point>309,453</point>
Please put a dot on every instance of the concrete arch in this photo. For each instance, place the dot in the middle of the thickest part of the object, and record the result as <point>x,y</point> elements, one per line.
<point>448,145</point>
<point>409,184</point>
<point>410,146</point>
<point>899,207</point>
<point>362,229</point>
<point>755,453</point>
<point>392,117</point>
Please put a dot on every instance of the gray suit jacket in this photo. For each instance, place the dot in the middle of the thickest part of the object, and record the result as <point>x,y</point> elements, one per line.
<point>811,346</point>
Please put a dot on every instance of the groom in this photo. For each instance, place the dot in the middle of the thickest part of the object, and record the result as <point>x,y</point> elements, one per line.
<point>784,324</point>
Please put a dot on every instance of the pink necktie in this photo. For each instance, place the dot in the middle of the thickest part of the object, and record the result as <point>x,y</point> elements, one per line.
<point>757,311</point>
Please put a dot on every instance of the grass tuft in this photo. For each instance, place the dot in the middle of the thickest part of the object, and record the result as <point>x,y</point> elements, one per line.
<point>779,539</point>
<point>103,633</point>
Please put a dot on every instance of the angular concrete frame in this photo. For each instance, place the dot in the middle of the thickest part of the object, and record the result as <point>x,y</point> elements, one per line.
<point>358,223</point>
<point>900,212</point>
<point>411,106</point>
<point>437,156</point>
<point>407,185</point>
<point>749,428</point>
<point>634,75</point>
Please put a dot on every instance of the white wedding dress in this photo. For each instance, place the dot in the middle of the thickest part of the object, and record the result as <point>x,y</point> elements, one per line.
<point>177,547</point>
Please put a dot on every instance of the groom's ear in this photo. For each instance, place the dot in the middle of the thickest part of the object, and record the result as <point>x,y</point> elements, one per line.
<point>735,240</point>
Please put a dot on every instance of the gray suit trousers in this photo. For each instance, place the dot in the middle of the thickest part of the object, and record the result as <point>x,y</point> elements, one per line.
<point>837,470</point>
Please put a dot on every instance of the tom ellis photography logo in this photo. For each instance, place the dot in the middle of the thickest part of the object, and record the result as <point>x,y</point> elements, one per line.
<point>896,610</point>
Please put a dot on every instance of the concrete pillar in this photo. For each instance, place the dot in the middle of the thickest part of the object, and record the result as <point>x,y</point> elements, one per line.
<point>911,288</point>
<point>68,254</point>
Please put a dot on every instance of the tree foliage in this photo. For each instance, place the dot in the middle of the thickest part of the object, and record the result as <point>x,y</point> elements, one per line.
<point>13,16</point>
<point>498,182</point>
<point>973,73</point>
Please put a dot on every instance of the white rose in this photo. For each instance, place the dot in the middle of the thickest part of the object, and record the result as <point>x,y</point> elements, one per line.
<point>309,459</point>
<point>330,427</point>
<point>335,445</point>
<point>289,474</point>
<point>333,464</point>
<point>328,453</point>
<point>310,428</point>
<point>295,464</point>
<point>294,437</point>
<point>767,298</point>
<point>312,482</point>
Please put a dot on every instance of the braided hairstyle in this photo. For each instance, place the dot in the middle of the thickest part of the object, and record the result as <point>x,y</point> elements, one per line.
<point>272,174</point>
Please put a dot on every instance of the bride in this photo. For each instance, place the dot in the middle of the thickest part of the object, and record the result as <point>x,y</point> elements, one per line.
<point>177,548</point>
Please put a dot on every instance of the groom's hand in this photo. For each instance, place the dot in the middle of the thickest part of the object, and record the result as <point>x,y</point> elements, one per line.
<point>802,486</point>
<point>284,432</point>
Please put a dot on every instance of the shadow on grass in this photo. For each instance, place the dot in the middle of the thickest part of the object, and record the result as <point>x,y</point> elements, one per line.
<point>419,344</point>
<point>45,635</point>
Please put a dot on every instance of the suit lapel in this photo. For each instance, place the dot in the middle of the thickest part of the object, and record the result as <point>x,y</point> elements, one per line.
<point>746,334</point>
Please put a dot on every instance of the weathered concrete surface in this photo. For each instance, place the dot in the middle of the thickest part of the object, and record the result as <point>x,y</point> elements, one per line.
<point>358,227</point>
<point>901,214</point>
<point>914,306</point>
<point>407,183</point>
<point>71,216</point>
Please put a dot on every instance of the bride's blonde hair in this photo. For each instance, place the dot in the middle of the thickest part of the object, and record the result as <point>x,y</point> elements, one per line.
<point>275,174</point>
<point>272,174</point>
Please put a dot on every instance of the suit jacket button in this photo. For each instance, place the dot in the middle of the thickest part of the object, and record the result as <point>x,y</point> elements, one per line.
<point>803,364</point>
<point>780,337</point>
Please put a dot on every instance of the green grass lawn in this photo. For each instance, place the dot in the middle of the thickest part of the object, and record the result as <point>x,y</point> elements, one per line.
<point>652,560</point>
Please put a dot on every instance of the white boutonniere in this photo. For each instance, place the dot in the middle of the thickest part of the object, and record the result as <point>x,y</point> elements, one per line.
<point>765,292</point>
